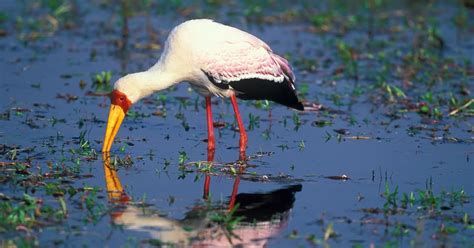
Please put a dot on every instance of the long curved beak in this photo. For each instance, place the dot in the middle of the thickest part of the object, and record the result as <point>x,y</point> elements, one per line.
<point>116,115</point>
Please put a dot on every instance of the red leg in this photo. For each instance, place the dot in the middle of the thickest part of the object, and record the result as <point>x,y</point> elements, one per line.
<point>207,184</point>
<point>210,126</point>
<point>243,134</point>
<point>207,181</point>
<point>235,190</point>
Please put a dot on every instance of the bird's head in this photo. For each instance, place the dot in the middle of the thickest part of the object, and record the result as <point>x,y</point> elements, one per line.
<point>129,90</point>
<point>125,93</point>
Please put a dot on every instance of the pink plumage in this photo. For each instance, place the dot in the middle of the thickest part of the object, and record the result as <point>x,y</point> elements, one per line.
<point>233,62</point>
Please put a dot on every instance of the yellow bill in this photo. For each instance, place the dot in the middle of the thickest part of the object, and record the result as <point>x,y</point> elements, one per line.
<point>116,115</point>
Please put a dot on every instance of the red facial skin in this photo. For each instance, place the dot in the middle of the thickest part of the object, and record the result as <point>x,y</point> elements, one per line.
<point>120,99</point>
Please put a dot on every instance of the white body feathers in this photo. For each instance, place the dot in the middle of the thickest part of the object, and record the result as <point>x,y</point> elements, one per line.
<point>198,49</point>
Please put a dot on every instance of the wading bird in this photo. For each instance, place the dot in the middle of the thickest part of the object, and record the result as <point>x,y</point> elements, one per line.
<point>216,60</point>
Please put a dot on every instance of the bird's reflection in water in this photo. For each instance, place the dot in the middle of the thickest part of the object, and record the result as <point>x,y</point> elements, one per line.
<point>249,219</point>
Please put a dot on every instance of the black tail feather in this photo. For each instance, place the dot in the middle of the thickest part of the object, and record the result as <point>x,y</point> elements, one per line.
<point>259,89</point>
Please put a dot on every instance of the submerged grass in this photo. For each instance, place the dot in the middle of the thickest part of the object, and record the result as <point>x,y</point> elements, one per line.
<point>444,209</point>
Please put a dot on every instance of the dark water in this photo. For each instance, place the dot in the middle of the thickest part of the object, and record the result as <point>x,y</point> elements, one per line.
<point>287,195</point>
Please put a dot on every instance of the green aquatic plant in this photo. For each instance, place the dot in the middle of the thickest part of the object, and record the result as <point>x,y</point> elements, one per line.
<point>136,115</point>
<point>254,121</point>
<point>301,145</point>
<point>102,79</point>
<point>262,104</point>
<point>23,212</point>
<point>227,221</point>
<point>322,21</point>
<point>422,200</point>
<point>296,121</point>
<point>101,82</point>
<point>3,17</point>
<point>84,149</point>
<point>183,157</point>
<point>391,199</point>
<point>349,58</point>
<point>95,209</point>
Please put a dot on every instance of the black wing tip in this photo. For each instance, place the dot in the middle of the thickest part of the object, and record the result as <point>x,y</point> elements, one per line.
<point>297,106</point>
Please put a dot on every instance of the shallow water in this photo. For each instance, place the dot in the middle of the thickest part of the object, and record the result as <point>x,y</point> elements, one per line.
<point>384,146</point>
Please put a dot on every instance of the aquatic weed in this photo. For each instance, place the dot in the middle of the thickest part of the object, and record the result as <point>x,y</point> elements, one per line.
<point>227,221</point>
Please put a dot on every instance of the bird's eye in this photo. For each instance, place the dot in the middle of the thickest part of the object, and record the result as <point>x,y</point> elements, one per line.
<point>122,98</point>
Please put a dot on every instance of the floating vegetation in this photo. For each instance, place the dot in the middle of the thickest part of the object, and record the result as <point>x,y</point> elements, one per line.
<point>101,81</point>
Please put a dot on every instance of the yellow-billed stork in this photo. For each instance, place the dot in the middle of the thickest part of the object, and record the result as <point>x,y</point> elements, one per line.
<point>214,59</point>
